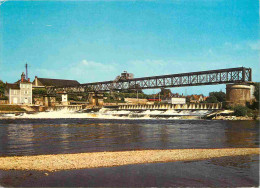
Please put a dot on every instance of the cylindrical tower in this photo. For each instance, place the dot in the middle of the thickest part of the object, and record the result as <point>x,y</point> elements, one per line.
<point>238,94</point>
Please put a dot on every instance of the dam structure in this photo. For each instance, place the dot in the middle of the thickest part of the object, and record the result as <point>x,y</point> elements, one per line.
<point>64,107</point>
<point>199,106</point>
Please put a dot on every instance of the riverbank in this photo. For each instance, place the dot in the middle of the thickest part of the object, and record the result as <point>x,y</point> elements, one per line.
<point>11,109</point>
<point>235,118</point>
<point>216,172</point>
<point>110,159</point>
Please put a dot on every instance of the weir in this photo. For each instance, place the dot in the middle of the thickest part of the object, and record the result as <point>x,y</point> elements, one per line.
<point>65,107</point>
<point>203,106</point>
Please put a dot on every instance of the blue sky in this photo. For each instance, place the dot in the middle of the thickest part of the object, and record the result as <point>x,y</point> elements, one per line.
<point>96,40</point>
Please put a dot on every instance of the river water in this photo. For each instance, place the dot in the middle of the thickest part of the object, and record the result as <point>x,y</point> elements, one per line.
<point>54,136</point>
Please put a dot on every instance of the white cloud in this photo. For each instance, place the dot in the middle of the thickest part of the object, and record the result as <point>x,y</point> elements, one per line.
<point>237,46</point>
<point>254,45</point>
<point>91,71</point>
<point>83,71</point>
<point>97,65</point>
<point>45,73</point>
<point>149,67</point>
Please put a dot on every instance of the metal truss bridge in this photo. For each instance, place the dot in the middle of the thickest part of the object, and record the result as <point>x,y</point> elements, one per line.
<point>211,77</point>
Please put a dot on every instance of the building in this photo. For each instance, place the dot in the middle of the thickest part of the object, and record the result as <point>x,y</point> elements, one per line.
<point>175,100</point>
<point>19,92</point>
<point>196,98</point>
<point>135,101</point>
<point>178,100</point>
<point>47,82</point>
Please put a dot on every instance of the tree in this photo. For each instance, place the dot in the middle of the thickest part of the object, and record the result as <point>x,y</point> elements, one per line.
<point>39,91</point>
<point>240,111</point>
<point>2,88</point>
<point>256,93</point>
<point>220,96</point>
<point>212,99</point>
<point>187,99</point>
<point>165,93</point>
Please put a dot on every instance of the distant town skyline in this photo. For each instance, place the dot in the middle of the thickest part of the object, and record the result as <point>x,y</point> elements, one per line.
<point>91,41</point>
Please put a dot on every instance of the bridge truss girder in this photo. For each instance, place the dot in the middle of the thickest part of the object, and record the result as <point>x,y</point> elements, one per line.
<point>212,77</point>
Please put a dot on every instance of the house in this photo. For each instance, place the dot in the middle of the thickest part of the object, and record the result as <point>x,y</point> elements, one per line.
<point>175,100</point>
<point>19,92</point>
<point>178,100</point>
<point>196,98</point>
<point>47,82</point>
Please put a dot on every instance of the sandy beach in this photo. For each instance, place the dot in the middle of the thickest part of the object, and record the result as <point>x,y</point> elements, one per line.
<point>109,159</point>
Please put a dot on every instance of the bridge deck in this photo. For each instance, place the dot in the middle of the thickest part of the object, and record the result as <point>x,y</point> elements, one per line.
<point>220,76</point>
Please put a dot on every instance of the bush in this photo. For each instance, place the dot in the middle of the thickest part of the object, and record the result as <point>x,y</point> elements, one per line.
<point>4,98</point>
<point>256,93</point>
<point>240,110</point>
<point>2,88</point>
<point>212,99</point>
<point>11,108</point>
<point>39,91</point>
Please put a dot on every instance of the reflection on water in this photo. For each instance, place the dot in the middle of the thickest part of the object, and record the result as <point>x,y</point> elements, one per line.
<point>30,137</point>
<point>241,133</point>
<point>238,161</point>
<point>19,136</point>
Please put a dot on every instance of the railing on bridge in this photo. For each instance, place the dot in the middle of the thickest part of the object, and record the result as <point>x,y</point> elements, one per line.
<point>221,76</point>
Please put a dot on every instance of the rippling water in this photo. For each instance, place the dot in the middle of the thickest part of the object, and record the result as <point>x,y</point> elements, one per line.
<point>53,136</point>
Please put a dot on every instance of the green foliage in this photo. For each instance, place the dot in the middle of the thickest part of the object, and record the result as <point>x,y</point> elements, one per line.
<point>106,94</point>
<point>240,110</point>
<point>187,100</point>
<point>256,93</point>
<point>119,95</point>
<point>2,88</point>
<point>58,98</point>
<point>220,96</point>
<point>11,108</point>
<point>3,98</point>
<point>109,100</point>
<point>75,97</point>
<point>39,91</point>
<point>212,99</point>
<point>165,93</point>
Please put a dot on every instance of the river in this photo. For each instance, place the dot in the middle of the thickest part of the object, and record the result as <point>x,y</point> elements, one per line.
<point>55,136</point>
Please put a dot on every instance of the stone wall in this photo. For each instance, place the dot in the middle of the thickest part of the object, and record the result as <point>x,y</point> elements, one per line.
<point>238,94</point>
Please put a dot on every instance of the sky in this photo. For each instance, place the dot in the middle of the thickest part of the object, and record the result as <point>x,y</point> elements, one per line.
<point>93,41</point>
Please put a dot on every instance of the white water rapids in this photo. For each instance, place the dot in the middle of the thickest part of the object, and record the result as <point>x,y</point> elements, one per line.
<point>113,114</point>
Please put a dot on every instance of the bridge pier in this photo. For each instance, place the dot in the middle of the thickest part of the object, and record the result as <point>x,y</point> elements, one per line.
<point>96,98</point>
<point>49,100</point>
<point>239,94</point>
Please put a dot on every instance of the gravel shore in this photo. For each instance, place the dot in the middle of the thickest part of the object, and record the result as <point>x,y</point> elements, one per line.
<point>109,159</point>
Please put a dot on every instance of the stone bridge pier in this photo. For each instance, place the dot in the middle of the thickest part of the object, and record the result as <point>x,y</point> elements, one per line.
<point>96,98</point>
<point>239,94</point>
